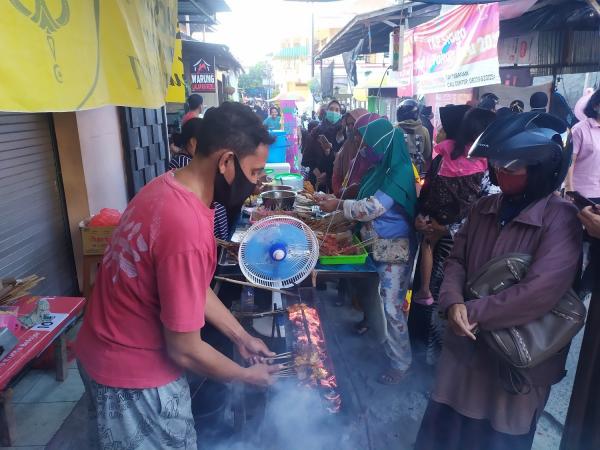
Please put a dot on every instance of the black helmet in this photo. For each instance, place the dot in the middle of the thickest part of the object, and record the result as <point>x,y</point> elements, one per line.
<point>408,110</point>
<point>488,101</point>
<point>533,140</point>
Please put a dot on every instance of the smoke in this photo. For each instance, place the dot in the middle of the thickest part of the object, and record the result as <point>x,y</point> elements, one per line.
<point>295,419</point>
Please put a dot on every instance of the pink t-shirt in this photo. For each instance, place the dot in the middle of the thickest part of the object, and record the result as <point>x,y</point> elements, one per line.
<point>154,274</point>
<point>189,115</point>
<point>586,146</point>
<point>460,167</point>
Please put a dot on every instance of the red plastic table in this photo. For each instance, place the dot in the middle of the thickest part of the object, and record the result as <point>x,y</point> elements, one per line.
<point>32,343</point>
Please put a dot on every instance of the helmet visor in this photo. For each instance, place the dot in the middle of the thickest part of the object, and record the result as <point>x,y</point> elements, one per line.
<point>513,165</point>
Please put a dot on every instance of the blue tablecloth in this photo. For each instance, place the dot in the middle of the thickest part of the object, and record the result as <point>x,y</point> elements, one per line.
<point>342,269</point>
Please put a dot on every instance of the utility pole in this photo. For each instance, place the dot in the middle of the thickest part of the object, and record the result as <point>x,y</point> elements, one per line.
<point>312,40</point>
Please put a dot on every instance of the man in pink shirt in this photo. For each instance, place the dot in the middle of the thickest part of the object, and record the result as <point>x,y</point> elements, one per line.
<point>195,103</point>
<point>152,295</point>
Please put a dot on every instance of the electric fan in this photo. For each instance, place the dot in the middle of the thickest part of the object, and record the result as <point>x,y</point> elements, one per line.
<point>277,252</point>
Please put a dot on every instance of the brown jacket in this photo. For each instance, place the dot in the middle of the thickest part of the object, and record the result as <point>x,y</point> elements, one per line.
<point>469,377</point>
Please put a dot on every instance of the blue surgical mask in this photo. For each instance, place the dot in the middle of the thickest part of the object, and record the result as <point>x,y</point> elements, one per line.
<point>333,116</point>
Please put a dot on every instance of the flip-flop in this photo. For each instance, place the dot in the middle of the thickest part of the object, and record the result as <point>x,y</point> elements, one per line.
<point>392,377</point>
<point>361,327</point>
<point>427,301</point>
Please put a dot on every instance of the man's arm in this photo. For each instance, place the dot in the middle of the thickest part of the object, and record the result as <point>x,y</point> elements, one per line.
<point>190,352</point>
<point>220,317</point>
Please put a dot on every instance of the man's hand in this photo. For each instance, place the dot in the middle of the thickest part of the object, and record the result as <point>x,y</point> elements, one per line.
<point>261,374</point>
<point>457,317</point>
<point>330,205</point>
<point>590,218</point>
<point>254,350</point>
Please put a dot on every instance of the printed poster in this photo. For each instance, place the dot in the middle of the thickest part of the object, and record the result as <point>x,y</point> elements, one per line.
<point>457,50</point>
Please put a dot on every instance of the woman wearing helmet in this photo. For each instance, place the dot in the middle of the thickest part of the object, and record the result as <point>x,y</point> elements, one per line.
<point>473,404</point>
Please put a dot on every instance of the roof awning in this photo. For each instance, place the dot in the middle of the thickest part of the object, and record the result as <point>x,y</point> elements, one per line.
<point>224,60</point>
<point>375,26</point>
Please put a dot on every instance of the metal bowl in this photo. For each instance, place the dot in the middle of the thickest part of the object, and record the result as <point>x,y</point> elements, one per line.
<point>283,200</point>
<point>277,187</point>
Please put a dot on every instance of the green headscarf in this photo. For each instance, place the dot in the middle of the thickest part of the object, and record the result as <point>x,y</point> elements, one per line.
<point>394,174</point>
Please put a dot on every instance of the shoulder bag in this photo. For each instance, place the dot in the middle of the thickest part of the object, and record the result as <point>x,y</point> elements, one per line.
<point>528,345</point>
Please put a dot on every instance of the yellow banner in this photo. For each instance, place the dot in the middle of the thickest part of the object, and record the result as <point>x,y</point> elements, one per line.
<point>66,55</point>
<point>176,90</point>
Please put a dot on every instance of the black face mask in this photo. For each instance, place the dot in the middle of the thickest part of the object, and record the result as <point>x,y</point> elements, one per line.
<point>233,196</point>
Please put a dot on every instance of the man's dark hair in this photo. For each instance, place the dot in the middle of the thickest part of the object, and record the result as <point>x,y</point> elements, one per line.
<point>234,127</point>
<point>538,100</point>
<point>273,108</point>
<point>591,104</point>
<point>190,129</point>
<point>195,101</point>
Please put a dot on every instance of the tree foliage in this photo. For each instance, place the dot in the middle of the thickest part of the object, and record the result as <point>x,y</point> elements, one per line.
<point>256,76</point>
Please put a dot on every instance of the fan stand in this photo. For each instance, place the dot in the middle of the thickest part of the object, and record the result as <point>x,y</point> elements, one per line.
<point>267,326</point>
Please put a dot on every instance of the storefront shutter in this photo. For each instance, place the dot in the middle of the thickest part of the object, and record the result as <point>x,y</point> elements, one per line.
<point>34,237</point>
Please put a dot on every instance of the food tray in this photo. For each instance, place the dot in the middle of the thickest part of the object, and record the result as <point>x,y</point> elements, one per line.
<point>360,258</point>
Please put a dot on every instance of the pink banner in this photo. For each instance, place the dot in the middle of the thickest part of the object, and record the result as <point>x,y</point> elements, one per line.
<point>457,50</point>
<point>404,76</point>
<point>290,125</point>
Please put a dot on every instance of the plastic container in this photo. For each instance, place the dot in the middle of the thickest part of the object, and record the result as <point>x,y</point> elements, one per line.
<point>294,180</point>
<point>277,168</point>
<point>360,258</point>
<point>278,150</point>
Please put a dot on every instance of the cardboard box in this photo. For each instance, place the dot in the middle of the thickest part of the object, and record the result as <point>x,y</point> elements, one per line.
<point>95,239</point>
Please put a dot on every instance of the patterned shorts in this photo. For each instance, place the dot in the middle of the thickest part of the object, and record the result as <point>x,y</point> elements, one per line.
<point>145,419</point>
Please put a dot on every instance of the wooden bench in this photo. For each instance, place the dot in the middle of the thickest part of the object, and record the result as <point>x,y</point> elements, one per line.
<point>32,343</point>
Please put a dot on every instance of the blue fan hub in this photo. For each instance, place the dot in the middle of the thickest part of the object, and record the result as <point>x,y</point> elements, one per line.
<point>278,251</point>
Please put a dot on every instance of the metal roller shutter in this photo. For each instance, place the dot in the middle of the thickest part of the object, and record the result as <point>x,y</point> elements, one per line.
<point>34,236</point>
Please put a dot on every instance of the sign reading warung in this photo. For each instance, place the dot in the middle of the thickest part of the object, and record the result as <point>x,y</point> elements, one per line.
<point>203,76</point>
<point>457,50</point>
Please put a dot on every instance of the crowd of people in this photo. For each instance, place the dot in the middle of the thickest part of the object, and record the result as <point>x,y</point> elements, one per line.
<point>490,190</point>
<point>487,189</point>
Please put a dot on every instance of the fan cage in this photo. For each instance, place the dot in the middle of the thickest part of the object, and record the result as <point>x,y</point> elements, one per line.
<point>303,266</point>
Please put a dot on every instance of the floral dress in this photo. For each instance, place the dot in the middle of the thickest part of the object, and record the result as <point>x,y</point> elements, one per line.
<point>387,220</point>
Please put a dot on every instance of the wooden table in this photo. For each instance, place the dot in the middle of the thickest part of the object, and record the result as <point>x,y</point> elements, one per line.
<point>31,344</point>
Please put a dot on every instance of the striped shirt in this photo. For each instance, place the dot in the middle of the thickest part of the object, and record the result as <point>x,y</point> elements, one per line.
<point>221,225</point>
<point>179,160</point>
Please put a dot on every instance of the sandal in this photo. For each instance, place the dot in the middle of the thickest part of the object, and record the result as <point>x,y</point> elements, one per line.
<point>361,327</point>
<point>392,377</point>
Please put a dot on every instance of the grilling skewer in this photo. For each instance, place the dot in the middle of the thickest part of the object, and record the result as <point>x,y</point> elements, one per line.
<point>250,315</point>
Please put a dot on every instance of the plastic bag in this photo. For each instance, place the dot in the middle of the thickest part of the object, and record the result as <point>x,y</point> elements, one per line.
<point>105,218</point>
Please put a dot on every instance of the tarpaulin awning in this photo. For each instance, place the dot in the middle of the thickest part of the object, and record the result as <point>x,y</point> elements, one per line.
<point>375,26</point>
<point>85,54</point>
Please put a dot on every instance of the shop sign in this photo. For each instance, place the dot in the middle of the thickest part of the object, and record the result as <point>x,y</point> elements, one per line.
<point>202,75</point>
<point>457,50</point>
<point>66,55</point>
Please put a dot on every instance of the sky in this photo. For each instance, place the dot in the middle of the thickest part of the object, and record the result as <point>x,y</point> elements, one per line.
<point>255,28</point>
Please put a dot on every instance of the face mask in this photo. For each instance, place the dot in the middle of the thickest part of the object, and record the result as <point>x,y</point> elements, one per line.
<point>234,195</point>
<point>511,184</point>
<point>333,116</point>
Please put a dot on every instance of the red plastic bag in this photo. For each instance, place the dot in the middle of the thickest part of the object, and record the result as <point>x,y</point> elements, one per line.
<point>105,218</point>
